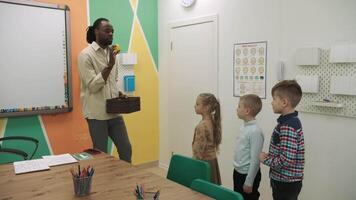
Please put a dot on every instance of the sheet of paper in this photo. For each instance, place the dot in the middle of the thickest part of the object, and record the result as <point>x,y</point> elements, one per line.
<point>30,166</point>
<point>59,159</point>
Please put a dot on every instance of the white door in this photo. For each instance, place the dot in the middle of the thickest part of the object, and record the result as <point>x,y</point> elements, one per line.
<point>193,69</point>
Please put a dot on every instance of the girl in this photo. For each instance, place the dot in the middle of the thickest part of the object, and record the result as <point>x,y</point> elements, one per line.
<point>207,136</point>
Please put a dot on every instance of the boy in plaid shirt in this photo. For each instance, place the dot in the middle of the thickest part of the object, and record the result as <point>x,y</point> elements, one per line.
<point>286,152</point>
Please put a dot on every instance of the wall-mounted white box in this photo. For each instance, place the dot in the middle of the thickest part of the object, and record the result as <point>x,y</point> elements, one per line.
<point>343,53</point>
<point>307,56</point>
<point>343,85</point>
<point>309,84</point>
<point>128,58</point>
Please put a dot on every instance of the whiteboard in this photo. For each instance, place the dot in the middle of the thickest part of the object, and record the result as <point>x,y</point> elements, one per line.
<point>35,62</point>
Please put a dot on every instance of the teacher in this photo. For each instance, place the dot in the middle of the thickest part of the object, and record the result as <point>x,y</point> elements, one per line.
<point>98,72</point>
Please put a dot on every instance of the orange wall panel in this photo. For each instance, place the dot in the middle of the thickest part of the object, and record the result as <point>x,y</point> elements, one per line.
<point>68,132</point>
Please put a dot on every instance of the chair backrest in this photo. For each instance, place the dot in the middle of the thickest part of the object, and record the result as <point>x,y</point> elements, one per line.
<point>8,149</point>
<point>215,191</point>
<point>184,170</point>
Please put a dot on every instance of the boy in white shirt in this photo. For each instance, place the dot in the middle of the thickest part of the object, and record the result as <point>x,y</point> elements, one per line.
<point>247,175</point>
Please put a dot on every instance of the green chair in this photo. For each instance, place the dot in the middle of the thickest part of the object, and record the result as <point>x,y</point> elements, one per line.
<point>215,191</point>
<point>184,170</point>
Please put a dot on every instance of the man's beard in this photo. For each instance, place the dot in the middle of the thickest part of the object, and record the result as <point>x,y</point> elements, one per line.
<point>106,42</point>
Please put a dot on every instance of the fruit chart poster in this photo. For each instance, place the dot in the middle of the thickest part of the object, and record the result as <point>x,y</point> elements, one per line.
<point>250,68</point>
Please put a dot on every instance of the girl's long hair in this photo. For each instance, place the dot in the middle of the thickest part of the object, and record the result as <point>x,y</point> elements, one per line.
<point>214,108</point>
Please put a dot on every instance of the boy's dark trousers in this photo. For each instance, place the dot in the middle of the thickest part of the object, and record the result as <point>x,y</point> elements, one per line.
<point>239,180</point>
<point>285,190</point>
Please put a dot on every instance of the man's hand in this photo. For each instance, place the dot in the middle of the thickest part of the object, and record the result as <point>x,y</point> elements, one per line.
<point>122,95</point>
<point>263,156</point>
<point>247,189</point>
<point>106,71</point>
<point>112,57</point>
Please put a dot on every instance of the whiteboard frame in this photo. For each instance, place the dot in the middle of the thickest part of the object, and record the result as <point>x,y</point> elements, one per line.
<point>68,56</point>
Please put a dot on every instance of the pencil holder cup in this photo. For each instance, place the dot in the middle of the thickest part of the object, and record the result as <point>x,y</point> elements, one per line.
<point>82,186</point>
<point>148,196</point>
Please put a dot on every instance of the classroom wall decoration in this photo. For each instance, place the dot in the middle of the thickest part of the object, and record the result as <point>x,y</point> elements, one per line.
<point>249,69</point>
<point>324,102</point>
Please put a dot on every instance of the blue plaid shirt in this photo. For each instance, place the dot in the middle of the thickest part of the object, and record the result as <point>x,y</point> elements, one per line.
<point>286,151</point>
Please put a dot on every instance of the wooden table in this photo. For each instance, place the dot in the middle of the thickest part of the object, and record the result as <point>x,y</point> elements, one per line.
<point>113,179</point>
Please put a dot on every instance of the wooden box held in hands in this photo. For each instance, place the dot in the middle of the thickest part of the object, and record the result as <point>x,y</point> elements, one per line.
<point>123,105</point>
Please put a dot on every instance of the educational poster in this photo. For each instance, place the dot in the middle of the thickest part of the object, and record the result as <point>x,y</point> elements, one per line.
<point>250,69</point>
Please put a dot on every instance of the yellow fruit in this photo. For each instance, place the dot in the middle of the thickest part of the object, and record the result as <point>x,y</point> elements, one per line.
<point>116,48</point>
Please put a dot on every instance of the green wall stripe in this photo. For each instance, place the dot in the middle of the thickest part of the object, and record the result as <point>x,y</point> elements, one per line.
<point>110,145</point>
<point>147,14</point>
<point>24,126</point>
<point>120,14</point>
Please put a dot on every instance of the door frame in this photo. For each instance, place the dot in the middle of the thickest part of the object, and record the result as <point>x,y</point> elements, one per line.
<point>200,20</point>
<point>170,147</point>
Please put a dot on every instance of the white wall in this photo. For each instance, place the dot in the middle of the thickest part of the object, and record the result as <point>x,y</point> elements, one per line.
<point>330,141</point>
<point>286,25</point>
